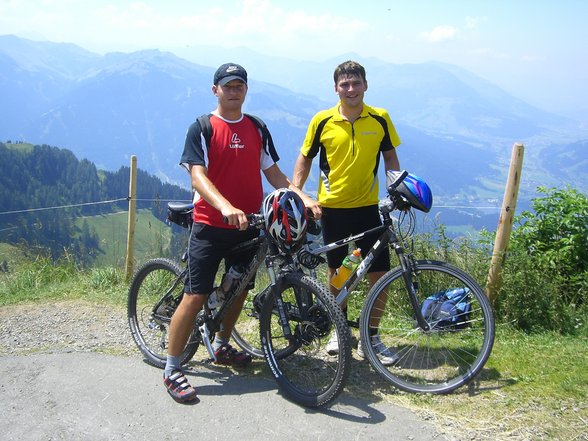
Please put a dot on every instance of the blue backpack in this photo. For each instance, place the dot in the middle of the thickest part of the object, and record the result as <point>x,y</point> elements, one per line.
<point>449,309</point>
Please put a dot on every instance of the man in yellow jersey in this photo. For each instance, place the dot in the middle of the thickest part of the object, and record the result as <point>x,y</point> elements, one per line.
<point>349,139</point>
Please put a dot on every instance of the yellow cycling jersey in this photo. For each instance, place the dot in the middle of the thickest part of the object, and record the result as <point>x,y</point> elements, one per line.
<point>349,155</point>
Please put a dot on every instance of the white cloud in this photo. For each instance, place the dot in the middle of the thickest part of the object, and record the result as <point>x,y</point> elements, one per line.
<point>259,24</point>
<point>473,22</point>
<point>441,33</point>
<point>262,23</point>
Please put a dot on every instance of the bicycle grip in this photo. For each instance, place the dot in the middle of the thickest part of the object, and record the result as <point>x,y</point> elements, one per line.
<point>399,178</point>
<point>255,220</point>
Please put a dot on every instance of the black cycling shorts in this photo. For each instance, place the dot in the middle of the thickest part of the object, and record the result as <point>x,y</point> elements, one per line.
<point>207,248</point>
<point>339,223</point>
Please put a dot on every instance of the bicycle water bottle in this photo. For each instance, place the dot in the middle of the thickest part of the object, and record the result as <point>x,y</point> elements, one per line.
<point>214,300</point>
<point>344,271</point>
<point>229,279</point>
<point>217,297</point>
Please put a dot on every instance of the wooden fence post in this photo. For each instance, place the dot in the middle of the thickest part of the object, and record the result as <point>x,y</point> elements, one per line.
<point>509,203</point>
<point>131,217</point>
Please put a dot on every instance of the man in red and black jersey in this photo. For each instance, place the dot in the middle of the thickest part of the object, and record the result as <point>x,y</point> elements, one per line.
<point>225,173</point>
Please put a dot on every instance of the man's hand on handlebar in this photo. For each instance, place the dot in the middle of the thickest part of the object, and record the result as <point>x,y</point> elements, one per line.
<point>236,217</point>
<point>314,208</point>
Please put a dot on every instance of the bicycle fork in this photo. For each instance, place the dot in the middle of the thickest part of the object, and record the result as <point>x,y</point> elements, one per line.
<point>411,283</point>
<point>282,315</point>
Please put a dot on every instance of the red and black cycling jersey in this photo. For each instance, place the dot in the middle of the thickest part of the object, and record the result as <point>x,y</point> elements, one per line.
<point>233,158</point>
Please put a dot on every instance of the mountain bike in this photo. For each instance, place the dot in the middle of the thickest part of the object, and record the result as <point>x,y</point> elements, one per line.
<point>297,315</point>
<point>434,354</point>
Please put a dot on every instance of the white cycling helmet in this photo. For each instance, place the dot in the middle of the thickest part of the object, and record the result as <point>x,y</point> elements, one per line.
<point>285,219</point>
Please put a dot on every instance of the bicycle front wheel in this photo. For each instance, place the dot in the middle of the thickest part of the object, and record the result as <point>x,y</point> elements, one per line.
<point>441,359</point>
<point>296,321</point>
<point>155,292</point>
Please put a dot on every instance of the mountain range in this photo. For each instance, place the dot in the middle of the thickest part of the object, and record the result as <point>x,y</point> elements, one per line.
<point>457,129</point>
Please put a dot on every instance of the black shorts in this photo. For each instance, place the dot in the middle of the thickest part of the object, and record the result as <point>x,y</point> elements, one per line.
<point>339,223</point>
<point>208,247</point>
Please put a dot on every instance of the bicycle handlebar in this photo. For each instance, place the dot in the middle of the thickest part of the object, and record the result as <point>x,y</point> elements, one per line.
<point>394,201</point>
<point>180,213</point>
<point>255,220</point>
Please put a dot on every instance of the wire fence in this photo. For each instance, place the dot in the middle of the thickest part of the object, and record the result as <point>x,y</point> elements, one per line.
<point>111,201</point>
<point>153,236</point>
<point>83,204</point>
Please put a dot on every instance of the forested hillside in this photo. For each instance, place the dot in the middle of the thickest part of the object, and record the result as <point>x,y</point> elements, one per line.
<point>44,190</point>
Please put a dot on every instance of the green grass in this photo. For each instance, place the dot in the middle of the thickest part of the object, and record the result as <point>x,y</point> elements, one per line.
<point>544,364</point>
<point>43,280</point>
<point>533,387</point>
<point>11,254</point>
<point>151,237</point>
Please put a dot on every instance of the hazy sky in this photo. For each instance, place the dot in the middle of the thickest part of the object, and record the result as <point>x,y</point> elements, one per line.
<point>534,49</point>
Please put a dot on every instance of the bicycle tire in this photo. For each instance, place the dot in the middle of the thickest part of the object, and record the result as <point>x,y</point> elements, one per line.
<point>441,359</point>
<point>308,375</point>
<point>150,331</point>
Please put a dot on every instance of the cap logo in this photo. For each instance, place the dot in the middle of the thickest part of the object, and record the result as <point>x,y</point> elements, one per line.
<point>232,69</point>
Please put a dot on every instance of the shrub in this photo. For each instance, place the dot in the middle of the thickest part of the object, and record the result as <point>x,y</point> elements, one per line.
<point>545,276</point>
<point>466,253</point>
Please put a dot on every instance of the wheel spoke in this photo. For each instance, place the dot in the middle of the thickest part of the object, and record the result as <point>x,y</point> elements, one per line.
<point>441,359</point>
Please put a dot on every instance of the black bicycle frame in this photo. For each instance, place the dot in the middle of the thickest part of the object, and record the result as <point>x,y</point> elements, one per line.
<point>244,279</point>
<point>387,237</point>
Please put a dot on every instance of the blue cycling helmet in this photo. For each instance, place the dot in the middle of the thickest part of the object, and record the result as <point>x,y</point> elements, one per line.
<point>416,191</point>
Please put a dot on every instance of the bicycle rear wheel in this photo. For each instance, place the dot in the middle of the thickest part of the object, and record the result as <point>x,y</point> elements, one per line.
<point>307,375</point>
<point>155,292</point>
<point>442,359</point>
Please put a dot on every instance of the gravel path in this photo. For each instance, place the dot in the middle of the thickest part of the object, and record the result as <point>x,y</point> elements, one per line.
<point>73,326</point>
<point>112,394</point>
